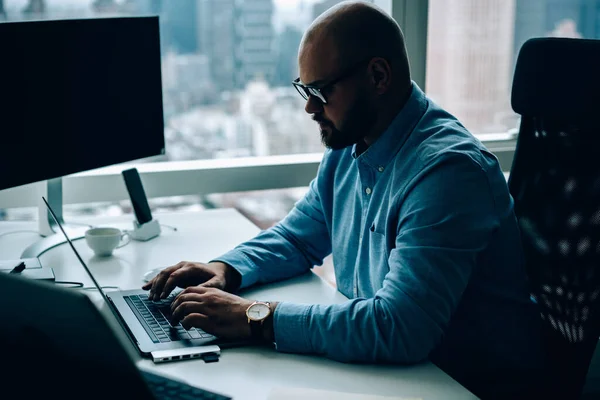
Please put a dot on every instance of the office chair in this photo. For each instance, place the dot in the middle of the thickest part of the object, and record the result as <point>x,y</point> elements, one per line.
<point>555,184</point>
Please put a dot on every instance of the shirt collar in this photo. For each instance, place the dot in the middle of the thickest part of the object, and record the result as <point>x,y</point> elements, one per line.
<point>380,153</point>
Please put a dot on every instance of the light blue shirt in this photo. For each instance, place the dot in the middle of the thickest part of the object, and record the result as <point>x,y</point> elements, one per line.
<point>425,245</point>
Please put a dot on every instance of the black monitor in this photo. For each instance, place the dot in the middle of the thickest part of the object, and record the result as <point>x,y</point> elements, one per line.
<point>77,95</point>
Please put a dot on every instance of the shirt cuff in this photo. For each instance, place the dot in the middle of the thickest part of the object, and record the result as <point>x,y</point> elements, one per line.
<point>290,328</point>
<point>242,264</point>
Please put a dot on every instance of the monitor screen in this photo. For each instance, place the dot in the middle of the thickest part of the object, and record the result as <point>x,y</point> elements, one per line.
<point>77,95</point>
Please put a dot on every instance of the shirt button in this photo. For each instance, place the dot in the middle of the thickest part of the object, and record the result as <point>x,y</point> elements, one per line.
<point>380,169</point>
<point>368,190</point>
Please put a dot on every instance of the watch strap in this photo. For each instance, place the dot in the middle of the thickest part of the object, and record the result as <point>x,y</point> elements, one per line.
<point>256,330</point>
<point>257,327</point>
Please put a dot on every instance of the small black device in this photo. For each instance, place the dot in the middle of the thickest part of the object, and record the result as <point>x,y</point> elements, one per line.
<point>139,201</point>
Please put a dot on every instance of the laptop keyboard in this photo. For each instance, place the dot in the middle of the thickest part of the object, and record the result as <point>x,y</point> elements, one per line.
<point>165,388</point>
<point>154,317</point>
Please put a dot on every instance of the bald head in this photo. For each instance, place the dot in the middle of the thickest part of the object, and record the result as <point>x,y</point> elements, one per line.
<point>354,73</point>
<point>353,31</point>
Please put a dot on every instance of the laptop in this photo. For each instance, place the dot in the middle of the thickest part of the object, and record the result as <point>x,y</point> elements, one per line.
<point>57,344</point>
<point>147,322</point>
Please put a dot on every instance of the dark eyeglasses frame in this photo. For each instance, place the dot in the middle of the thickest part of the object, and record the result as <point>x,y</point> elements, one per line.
<point>317,91</point>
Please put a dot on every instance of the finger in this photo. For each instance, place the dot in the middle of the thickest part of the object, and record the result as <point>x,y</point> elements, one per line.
<point>197,320</point>
<point>149,284</point>
<point>183,297</point>
<point>186,308</point>
<point>196,289</point>
<point>177,278</point>
<point>214,282</point>
<point>171,282</point>
<point>159,281</point>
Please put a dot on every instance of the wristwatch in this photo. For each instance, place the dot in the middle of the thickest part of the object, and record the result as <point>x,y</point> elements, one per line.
<point>257,313</point>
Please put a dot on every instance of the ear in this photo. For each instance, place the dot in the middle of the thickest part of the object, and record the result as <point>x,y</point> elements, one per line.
<point>380,73</point>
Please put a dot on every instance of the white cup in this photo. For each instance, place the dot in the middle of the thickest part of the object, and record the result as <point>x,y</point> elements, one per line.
<point>103,241</point>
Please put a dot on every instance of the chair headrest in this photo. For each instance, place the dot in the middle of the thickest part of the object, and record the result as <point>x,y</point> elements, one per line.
<point>557,78</point>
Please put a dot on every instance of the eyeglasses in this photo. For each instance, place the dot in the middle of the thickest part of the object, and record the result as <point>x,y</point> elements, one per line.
<point>319,91</point>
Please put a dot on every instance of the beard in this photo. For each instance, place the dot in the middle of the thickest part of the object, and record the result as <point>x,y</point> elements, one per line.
<point>355,127</point>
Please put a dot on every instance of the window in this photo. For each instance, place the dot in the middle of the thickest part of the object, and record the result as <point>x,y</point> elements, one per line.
<point>227,68</point>
<point>473,45</point>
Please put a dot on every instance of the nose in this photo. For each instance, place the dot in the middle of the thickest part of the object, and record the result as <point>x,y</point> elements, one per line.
<point>313,105</point>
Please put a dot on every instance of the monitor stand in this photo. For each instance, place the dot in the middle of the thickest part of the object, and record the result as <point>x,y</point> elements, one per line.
<point>52,191</point>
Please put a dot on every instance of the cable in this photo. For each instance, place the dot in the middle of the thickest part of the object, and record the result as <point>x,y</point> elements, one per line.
<point>32,231</point>
<point>21,231</point>
<point>80,224</point>
<point>71,284</point>
<point>102,287</point>
<point>79,285</point>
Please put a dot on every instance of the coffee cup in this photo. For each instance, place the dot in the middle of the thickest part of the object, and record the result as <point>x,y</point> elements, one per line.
<point>103,241</point>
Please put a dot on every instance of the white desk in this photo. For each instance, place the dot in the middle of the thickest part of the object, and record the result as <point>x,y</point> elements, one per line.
<point>243,373</point>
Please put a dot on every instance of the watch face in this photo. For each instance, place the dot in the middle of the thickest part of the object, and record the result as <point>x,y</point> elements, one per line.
<point>258,311</point>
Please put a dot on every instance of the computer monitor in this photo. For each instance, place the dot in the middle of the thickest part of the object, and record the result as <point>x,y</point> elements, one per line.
<point>76,95</point>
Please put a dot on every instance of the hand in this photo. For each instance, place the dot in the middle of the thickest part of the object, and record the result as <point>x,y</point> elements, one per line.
<point>214,311</point>
<point>186,274</point>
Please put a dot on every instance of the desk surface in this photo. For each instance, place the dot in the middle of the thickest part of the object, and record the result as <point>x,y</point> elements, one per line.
<point>246,372</point>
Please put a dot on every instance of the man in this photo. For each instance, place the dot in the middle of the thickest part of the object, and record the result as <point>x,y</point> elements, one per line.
<point>416,213</point>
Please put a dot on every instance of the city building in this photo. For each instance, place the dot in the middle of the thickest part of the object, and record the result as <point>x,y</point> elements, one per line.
<point>36,7</point>
<point>254,55</point>
<point>286,55</point>
<point>562,18</point>
<point>322,6</point>
<point>469,61</point>
<point>295,132</point>
<point>179,21</point>
<point>238,37</point>
<point>217,39</point>
<point>473,47</point>
<point>187,82</point>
